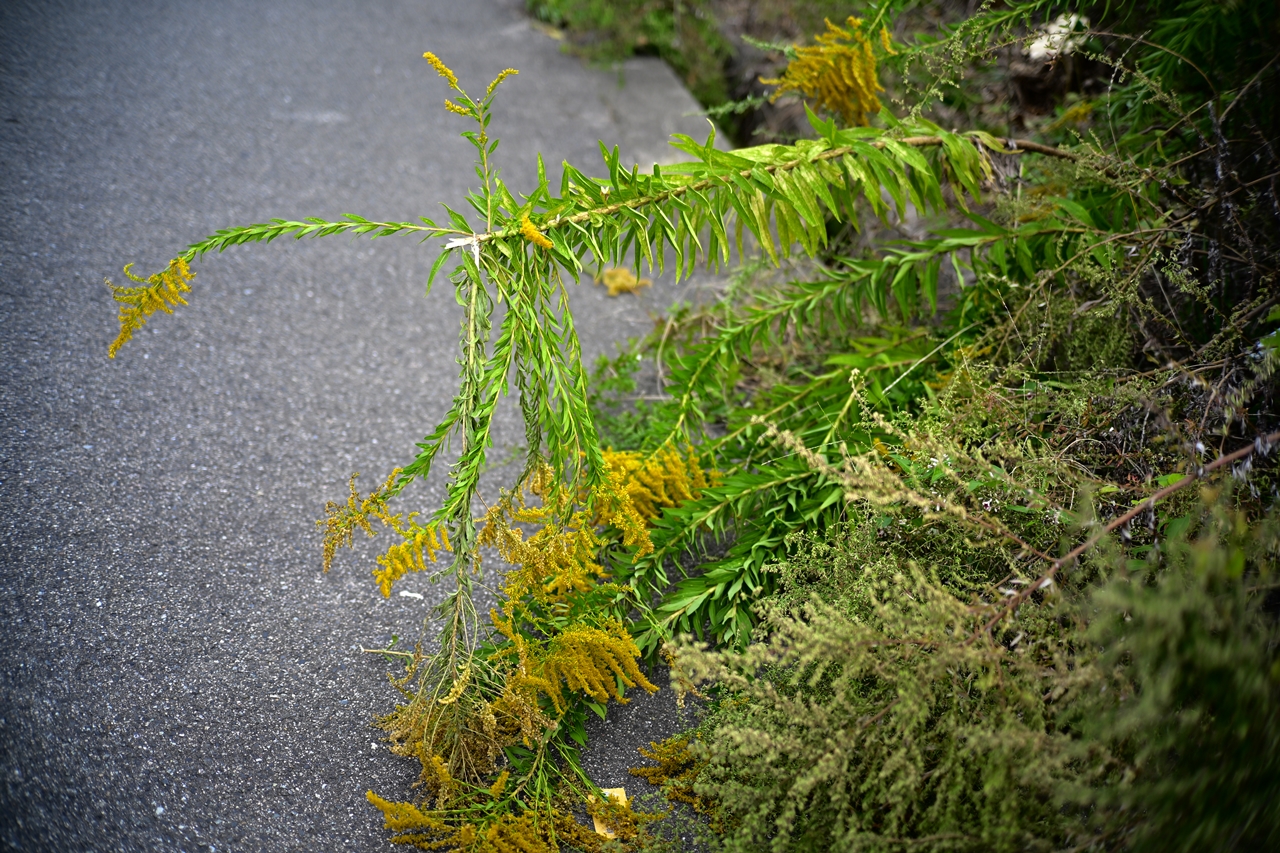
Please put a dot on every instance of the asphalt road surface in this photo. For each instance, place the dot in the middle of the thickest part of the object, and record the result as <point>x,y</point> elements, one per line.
<point>176,673</point>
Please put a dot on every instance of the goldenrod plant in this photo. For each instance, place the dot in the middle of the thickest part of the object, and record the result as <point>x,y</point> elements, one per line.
<point>160,292</point>
<point>838,72</point>
<point>961,522</point>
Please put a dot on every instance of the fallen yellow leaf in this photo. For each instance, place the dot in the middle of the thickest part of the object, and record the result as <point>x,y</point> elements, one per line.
<point>620,280</point>
<point>618,795</point>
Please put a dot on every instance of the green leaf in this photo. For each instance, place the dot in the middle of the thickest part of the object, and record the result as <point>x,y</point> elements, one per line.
<point>435,267</point>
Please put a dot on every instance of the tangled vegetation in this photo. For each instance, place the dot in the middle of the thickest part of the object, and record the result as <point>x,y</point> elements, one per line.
<point>956,508</point>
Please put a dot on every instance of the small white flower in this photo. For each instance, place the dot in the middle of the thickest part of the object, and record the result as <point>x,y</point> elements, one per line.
<point>1059,38</point>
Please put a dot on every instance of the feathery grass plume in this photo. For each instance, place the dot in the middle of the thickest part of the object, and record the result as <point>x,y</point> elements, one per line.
<point>343,519</point>
<point>160,292</point>
<point>839,72</point>
<point>531,233</point>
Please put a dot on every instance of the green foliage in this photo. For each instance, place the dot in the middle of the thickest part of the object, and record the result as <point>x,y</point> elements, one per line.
<point>683,32</point>
<point>1139,712</point>
<point>883,482</point>
<point>1184,692</point>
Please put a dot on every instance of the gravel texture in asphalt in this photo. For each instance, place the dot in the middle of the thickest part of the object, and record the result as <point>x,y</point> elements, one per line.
<point>176,673</point>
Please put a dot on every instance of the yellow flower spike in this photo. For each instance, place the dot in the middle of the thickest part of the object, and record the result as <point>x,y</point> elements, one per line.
<point>443,70</point>
<point>500,785</point>
<point>530,232</point>
<point>160,292</point>
<point>497,81</point>
<point>454,108</point>
<point>420,546</point>
<point>660,480</point>
<point>400,817</point>
<point>886,42</point>
<point>839,72</point>
<point>458,687</point>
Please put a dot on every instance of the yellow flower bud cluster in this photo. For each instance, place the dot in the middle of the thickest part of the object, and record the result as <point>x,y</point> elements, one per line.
<point>443,70</point>
<point>662,479</point>
<point>839,72</point>
<point>497,81</point>
<point>620,280</point>
<point>160,292</point>
<point>454,108</point>
<point>598,661</point>
<point>341,520</point>
<point>419,547</point>
<point>530,232</point>
<point>677,770</point>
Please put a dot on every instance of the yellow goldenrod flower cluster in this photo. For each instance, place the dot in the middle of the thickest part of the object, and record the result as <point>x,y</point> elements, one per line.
<point>886,42</point>
<point>557,559</point>
<point>839,72</point>
<point>598,660</point>
<point>530,232</point>
<point>497,81</point>
<point>341,520</point>
<point>593,660</point>
<point>662,479</point>
<point>420,546</point>
<point>458,742</point>
<point>459,685</point>
<point>160,292</point>
<point>422,829</point>
<point>500,784</point>
<point>560,557</point>
<point>677,770</point>
<point>443,70</point>
<point>517,834</point>
<point>554,650</point>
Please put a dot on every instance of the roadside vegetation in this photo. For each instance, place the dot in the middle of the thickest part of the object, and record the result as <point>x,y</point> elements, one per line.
<point>953,510</point>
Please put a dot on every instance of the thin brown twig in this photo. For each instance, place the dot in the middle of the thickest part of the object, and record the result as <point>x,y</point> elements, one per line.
<point>1012,603</point>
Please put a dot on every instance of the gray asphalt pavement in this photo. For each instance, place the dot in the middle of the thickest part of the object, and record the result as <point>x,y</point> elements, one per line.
<point>176,673</point>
